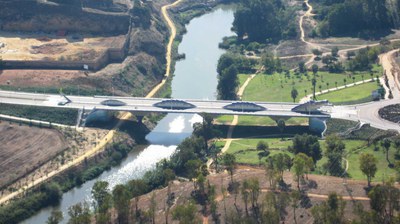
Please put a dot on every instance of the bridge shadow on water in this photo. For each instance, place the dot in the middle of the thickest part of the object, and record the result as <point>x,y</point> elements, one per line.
<point>265,131</point>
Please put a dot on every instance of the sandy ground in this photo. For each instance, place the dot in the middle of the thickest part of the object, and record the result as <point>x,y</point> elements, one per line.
<point>24,148</point>
<point>23,46</point>
<point>351,191</point>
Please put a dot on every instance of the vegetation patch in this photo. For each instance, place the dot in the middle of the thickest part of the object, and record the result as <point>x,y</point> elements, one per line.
<point>56,115</point>
<point>390,113</point>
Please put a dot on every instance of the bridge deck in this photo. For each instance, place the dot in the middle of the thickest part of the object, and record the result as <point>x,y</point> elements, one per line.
<point>144,105</point>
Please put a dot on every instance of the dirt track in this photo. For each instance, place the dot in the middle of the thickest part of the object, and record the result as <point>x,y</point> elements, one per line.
<point>24,148</point>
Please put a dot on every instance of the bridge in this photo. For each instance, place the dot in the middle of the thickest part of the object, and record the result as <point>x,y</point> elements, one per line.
<point>316,111</point>
<point>138,105</point>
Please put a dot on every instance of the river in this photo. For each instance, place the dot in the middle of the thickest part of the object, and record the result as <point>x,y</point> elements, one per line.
<point>194,78</point>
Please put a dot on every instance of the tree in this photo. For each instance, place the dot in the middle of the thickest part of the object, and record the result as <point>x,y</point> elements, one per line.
<point>185,213</point>
<point>228,83</point>
<point>137,188</point>
<point>169,202</point>
<point>335,51</point>
<point>121,199</point>
<point>386,143</point>
<point>192,168</point>
<point>317,52</point>
<point>274,207</point>
<point>294,94</point>
<point>271,172</point>
<point>255,191</point>
<point>299,168</point>
<point>55,217</point>
<point>350,54</point>
<point>205,129</point>
<point>302,67</point>
<point>262,146</point>
<point>314,69</point>
<point>263,21</point>
<point>334,151</point>
<point>214,152</point>
<point>79,214</point>
<point>313,83</point>
<point>245,195</point>
<point>384,200</point>
<point>281,125</point>
<point>307,144</point>
<point>295,198</point>
<point>102,201</point>
<point>153,207</point>
<point>271,64</point>
<point>230,164</point>
<point>330,211</point>
<point>368,166</point>
<point>281,162</point>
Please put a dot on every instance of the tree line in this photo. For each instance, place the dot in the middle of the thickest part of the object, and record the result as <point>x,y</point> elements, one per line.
<point>341,17</point>
<point>264,21</point>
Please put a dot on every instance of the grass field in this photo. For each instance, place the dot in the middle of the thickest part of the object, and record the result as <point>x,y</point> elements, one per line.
<point>244,150</point>
<point>277,87</point>
<point>357,93</point>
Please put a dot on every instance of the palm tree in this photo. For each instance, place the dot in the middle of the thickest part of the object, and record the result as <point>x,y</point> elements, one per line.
<point>327,86</point>
<point>294,94</point>
<point>354,79</point>
<point>313,82</point>
<point>305,92</point>
<point>320,88</point>
<point>336,84</point>
<point>344,80</point>
<point>362,77</point>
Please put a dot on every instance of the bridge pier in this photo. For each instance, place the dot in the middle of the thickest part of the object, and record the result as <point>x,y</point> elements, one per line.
<point>139,119</point>
<point>317,125</point>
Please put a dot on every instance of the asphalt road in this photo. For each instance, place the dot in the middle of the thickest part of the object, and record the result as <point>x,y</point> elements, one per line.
<point>145,105</point>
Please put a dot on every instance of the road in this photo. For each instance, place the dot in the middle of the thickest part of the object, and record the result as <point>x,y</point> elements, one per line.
<point>146,105</point>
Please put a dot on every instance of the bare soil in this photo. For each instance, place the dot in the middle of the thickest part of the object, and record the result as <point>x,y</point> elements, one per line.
<point>43,46</point>
<point>24,148</point>
<point>323,185</point>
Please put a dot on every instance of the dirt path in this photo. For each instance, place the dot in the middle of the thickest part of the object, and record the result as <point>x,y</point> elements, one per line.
<point>391,68</point>
<point>125,116</point>
<point>168,55</point>
<point>229,139</point>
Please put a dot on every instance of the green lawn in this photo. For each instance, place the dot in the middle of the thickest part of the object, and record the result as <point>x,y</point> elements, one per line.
<point>277,87</point>
<point>260,121</point>
<point>245,154</point>
<point>383,173</point>
<point>359,93</point>
<point>244,149</point>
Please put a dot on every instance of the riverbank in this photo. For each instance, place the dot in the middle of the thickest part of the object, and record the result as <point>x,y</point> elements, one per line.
<point>106,140</point>
<point>161,136</point>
